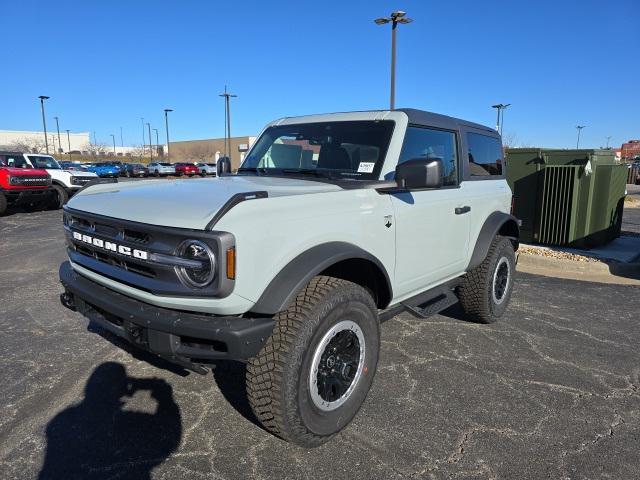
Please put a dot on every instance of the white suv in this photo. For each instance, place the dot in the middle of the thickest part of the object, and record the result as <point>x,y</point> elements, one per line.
<point>333,224</point>
<point>64,182</point>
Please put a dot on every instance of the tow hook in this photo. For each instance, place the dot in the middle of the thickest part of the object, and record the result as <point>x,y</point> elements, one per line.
<point>67,300</point>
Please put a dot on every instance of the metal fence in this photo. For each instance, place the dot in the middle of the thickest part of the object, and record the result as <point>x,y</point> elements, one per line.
<point>633,174</point>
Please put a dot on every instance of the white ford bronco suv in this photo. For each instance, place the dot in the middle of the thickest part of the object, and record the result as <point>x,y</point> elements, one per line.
<point>332,224</point>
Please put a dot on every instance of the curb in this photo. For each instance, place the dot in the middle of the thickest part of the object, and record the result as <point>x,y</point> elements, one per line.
<point>600,272</point>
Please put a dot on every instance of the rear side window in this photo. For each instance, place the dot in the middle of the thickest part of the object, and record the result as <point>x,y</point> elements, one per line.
<point>485,155</point>
<point>15,161</point>
<point>432,144</point>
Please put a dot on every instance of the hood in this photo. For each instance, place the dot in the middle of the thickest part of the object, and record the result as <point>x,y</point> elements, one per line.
<point>80,173</point>
<point>25,171</point>
<point>183,203</point>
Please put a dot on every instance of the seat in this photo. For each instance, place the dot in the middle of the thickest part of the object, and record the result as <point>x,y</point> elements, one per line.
<point>334,157</point>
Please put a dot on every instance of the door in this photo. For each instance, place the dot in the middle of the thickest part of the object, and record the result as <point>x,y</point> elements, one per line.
<point>432,226</point>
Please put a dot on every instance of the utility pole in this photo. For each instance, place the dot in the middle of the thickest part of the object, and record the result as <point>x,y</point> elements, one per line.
<point>579,127</point>
<point>166,124</point>
<point>395,18</point>
<point>501,107</point>
<point>150,146</point>
<point>227,122</point>
<point>58,129</point>
<point>157,139</point>
<point>68,145</point>
<point>44,122</point>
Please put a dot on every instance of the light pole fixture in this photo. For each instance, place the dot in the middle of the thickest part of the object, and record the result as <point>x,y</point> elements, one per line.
<point>395,18</point>
<point>44,122</point>
<point>68,145</point>
<point>579,128</point>
<point>58,129</point>
<point>150,146</point>
<point>500,107</point>
<point>227,122</point>
<point>608,138</point>
<point>166,125</point>
<point>113,137</point>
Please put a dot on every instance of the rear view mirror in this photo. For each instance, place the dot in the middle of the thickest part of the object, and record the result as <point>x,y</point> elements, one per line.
<point>223,166</point>
<point>419,173</point>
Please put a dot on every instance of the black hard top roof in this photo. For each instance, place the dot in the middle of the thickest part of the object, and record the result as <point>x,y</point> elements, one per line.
<point>421,117</point>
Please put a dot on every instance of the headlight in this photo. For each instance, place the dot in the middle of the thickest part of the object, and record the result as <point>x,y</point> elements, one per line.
<point>197,277</point>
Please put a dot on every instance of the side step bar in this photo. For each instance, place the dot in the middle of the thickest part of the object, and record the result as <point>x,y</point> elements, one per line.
<point>425,304</point>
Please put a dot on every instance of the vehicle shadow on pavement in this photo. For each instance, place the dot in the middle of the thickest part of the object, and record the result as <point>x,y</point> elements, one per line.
<point>104,437</point>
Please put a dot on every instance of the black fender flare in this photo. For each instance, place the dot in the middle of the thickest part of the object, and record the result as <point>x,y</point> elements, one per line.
<point>285,286</point>
<point>495,223</point>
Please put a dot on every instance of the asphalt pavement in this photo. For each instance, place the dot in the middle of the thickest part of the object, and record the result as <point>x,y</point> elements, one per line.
<point>551,391</point>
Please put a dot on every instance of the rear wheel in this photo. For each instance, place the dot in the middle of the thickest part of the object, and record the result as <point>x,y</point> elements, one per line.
<point>486,290</point>
<point>315,370</point>
<point>156,173</point>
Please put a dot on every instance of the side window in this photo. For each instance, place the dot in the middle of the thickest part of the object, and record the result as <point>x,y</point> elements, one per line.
<point>485,155</point>
<point>16,161</point>
<point>432,144</point>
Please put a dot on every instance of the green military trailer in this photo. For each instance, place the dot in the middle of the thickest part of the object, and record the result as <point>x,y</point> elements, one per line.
<point>567,197</point>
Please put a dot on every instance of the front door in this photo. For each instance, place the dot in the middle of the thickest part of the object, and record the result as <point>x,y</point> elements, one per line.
<point>432,226</point>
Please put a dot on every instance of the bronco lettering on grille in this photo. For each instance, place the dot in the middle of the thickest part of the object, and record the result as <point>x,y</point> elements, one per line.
<point>110,246</point>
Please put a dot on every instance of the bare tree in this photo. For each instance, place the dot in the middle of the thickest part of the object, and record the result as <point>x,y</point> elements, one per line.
<point>201,153</point>
<point>95,148</point>
<point>510,140</point>
<point>29,145</point>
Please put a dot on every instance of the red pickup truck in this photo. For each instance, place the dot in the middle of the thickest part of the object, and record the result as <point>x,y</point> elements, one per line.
<point>187,169</point>
<point>24,186</point>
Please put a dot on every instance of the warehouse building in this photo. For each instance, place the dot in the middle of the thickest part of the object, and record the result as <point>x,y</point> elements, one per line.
<point>23,140</point>
<point>210,150</point>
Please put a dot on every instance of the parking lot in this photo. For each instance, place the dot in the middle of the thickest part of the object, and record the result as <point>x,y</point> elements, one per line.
<point>552,391</point>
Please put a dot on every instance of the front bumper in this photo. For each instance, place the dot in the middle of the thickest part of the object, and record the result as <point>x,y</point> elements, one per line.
<point>191,340</point>
<point>26,197</point>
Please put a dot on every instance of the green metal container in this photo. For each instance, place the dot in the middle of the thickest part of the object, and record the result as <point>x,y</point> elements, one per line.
<point>567,197</point>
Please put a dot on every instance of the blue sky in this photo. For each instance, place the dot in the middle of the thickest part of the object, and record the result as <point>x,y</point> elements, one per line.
<point>106,64</point>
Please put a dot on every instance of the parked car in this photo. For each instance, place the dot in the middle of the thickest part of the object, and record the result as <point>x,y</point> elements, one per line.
<point>103,170</point>
<point>207,169</point>
<point>158,169</point>
<point>186,169</point>
<point>135,170</point>
<point>23,185</point>
<point>117,163</point>
<point>365,216</point>
<point>65,183</point>
<point>66,165</point>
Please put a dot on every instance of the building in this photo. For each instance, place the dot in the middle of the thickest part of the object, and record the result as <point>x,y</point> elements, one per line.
<point>34,141</point>
<point>631,149</point>
<point>210,150</point>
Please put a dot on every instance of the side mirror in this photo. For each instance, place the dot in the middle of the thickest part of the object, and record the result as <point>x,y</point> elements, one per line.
<point>223,166</point>
<point>420,173</point>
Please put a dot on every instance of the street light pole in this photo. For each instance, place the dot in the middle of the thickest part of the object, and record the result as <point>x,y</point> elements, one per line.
<point>121,140</point>
<point>68,145</point>
<point>166,125</point>
<point>113,137</point>
<point>227,122</point>
<point>58,129</point>
<point>608,138</point>
<point>395,18</point>
<point>157,139</point>
<point>150,146</point>
<point>44,122</point>
<point>500,107</point>
<point>579,127</point>
<point>142,121</point>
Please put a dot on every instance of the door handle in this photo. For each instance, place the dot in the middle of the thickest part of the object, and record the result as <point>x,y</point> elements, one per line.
<point>461,210</point>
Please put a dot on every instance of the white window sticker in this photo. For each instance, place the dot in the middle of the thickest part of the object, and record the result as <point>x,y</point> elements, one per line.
<point>366,167</point>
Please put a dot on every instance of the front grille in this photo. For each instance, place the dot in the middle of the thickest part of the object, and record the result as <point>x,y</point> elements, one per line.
<point>116,261</point>
<point>82,180</point>
<point>31,181</point>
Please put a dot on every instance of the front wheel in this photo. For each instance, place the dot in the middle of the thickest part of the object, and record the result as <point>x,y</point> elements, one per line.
<point>315,370</point>
<point>3,204</point>
<point>60,198</point>
<point>486,290</point>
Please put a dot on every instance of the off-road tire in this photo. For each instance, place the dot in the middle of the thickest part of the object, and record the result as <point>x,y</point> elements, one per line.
<point>60,199</point>
<point>156,174</point>
<point>3,204</point>
<point>278,377</point>
<point>476,293</point>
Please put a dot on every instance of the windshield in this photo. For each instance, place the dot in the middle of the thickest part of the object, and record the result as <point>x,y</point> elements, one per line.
<point>166,164</point>
<point>42,161</point>
<point>353,150</point>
